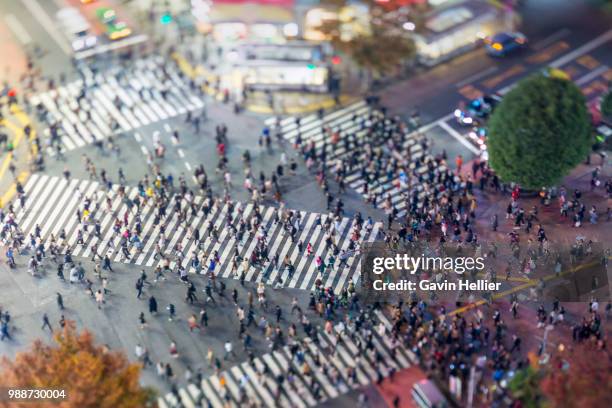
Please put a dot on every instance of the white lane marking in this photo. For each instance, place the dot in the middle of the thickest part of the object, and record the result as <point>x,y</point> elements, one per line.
<point>460,138</point>
<point>144,150</point>
<point>112,46</point>
<point>137,137</point>
<point>557,35</point>
<point>181,153</point>
<point>444,118</point>
<point>593,74</point>
<point>20,32</point>
<point>188,166</point>
<point>506,89</point>
<point>167,127</point>
<point>47,24</point>
<point>589,46</point>
<point>476,76</point>
<point>430,125</point>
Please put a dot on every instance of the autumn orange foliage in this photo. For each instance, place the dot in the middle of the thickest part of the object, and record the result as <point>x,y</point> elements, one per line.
<point>90,374</point>
<point>580,378</point>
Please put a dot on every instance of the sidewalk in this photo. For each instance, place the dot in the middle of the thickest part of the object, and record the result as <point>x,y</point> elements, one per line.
<point>558,229</point>
<point>401,386</point>
<point>292,103</point>
<point>13,124</point>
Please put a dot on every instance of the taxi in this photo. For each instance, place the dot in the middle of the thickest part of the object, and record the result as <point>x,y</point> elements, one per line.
<point>115,29</point>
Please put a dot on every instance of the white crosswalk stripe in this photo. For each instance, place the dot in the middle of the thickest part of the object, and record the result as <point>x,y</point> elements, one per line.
<point>404,173</point>
<point>131,98</point>
<point>326,365</point>
<point>56,206</point>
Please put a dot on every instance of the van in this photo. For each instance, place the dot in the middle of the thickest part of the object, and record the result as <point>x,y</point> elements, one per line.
<point>76,28</point>
<point>427,395</point>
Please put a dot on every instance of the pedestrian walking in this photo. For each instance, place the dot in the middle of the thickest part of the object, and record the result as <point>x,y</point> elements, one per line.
<point>203,318</point>
<point>60,301</point>
<point>173,350</point>
<point>139,288</point>
<point>99,298</point>
<point>210,355</point>
<point>229,350</point>
<point>193,323</point>
<point>46,323</point>
<point>171,312</point>
<point>142,320</point>
<point>4,331</point>
<point>152,305</point>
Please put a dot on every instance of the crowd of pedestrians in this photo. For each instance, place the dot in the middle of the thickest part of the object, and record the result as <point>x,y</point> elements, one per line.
<point>437,204</point>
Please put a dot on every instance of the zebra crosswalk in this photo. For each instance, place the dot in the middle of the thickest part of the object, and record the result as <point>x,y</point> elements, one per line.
<point>118,100</point>
<point>352,119</point>
<point>314,371</point>
<point>399,171</point>
<point>56,206</point>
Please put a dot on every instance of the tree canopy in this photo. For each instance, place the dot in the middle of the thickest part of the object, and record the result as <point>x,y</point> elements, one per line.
<point>525,387</point>
<point>579,378</point>
<point>539,132</point>
<point>575,377</point>
<point>384,44</point>
<point>91,375</point>
<point>375,53</point>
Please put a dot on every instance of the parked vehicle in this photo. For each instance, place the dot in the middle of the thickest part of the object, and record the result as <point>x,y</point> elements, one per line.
<point>76,28</point>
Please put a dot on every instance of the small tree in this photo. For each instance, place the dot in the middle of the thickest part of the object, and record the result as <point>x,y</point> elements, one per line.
<point>378,52</point>
<point>524,387</point>
<point>580,378</point>
<point>91,375</point>
<point>606,104</point>
<point>539,132</point>
<point>383,45</point>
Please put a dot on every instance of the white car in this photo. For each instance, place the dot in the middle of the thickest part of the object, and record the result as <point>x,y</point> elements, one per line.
<point>76,28</point>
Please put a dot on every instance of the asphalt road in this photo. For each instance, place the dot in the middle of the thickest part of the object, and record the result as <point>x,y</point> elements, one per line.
<point>437,91</point>
<point>29,25</point>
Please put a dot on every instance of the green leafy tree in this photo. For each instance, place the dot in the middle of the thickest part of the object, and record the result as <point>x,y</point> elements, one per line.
<point>606,104</point>
<point>525,387</point>
<point>539,132</point>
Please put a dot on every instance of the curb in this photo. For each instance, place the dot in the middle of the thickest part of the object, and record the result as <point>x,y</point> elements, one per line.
<point>10,193</point>
<point>296,110</point>
<point>193,73</point>
<point>18,132</point>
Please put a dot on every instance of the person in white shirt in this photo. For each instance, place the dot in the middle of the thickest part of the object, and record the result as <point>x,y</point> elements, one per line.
<point>229,350</point>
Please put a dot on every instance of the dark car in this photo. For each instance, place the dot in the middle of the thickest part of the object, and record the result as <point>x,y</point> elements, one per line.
<point>483,106</point>
<point>504,43</point>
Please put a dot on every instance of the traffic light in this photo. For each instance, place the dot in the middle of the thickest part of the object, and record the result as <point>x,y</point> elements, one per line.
<point>165,18</point>
<point>311,66</point>
<point>336,60</point>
